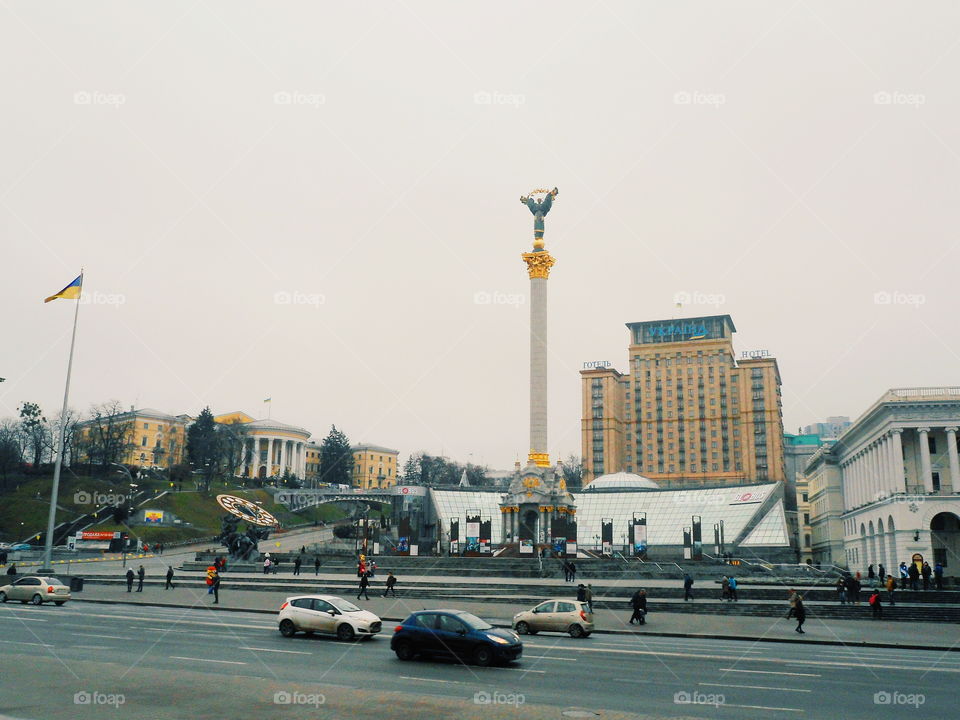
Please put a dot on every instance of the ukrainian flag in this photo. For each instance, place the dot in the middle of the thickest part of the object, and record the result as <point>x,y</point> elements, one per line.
<point>70,292</point>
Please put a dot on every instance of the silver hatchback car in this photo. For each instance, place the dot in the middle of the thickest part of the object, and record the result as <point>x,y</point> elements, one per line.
<point>37,590</point>
<point>568,616</point>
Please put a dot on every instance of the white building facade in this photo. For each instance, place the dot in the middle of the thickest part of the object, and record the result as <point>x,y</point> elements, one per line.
<point>900,477</point>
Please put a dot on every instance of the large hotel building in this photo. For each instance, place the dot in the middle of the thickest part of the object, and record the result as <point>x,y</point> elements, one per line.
<point>689,412</point>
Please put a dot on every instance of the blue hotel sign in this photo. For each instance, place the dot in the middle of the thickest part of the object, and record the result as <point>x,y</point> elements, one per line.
<point>687,331</point>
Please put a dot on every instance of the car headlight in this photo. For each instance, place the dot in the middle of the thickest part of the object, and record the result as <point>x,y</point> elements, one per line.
<point>498,639</point>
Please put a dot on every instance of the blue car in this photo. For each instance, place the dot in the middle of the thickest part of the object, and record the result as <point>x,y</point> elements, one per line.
<point>20,546</point>
<point>454,634</point>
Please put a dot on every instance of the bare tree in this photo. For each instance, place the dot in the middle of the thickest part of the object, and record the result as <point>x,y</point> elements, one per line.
<point>11,448</point>
<point>34,427</point>
<point>233,447</point>
<point>69,422</point>
<point>107,435</point>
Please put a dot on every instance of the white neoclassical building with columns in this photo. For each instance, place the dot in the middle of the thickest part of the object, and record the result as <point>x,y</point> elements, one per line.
<point>273,448</point>
<point>899,474</point>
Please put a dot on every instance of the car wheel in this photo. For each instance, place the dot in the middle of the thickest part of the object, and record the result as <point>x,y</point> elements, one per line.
<point>58,603</point>
<point>575,631</point>
<point>345,632</point>
<point>522,628</point>
<point>483,656</point>
<point>3,597</point>
<point>36,600</point>
<point>287,628</point>
<point>404,651</point>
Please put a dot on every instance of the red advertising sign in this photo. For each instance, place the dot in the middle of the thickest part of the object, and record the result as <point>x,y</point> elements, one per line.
<point>749,497</point>
<point>98,535</point>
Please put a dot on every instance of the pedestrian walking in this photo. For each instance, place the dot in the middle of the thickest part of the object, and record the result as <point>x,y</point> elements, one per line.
<point>639,603</point>
<point>914,573</point>
<point>303,549</point>
<point>904,574</point>
<point>275,566</point>
<point>891,588</point>
<point>573,571</point>
<point>733,589</point>
<point>724,588</point>
<point>316,565</point>
<point>581,592</point>
<point>12,570</point>
<point>364,584</point>
<point>871,576</point>
<point>566,570</point>
<point>853,590</point>
<point>938,575</point>
<point>874,602</point>
<point>129,579</point>
<point>141,573</point>
<point>266,564</point>
<point>588,597</point>
<point>296,565</point>
<point>215,587</point>
<point>797,610</point>
<point>391,585</point>
<point>881,574</point>
<point>926,571</point>
<point>687,587</point>
<point>169,585</point>
<point>842,591</point>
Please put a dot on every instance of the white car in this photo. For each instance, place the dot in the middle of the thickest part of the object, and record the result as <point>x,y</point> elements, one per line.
<point>37,590</point>
<point>328,615</point>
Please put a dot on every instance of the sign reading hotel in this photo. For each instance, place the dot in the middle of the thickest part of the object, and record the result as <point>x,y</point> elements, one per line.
<point>754,354</point>
<point>749,497</point>
<point>597,364</point>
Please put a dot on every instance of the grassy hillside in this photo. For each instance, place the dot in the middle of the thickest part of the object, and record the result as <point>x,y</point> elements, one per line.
<point>24,509</point>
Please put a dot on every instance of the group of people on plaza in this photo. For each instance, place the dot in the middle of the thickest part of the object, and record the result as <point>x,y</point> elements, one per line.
<point>569,571</point>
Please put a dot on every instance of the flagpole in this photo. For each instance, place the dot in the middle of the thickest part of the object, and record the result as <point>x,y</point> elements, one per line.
<point>51,520</point>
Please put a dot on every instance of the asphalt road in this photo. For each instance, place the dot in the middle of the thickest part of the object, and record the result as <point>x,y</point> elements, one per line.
<point>177,663</point>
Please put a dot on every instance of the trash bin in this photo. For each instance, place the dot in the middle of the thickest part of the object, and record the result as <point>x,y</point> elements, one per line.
<point>76,584</point>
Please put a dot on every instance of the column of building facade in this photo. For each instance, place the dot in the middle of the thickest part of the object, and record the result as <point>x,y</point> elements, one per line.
<point>254,456</point>
<point>883,460</point>
<point>875,455</point>
<point>897,452</point>
<point>887,465</point>
<point>864,477</point>
<point>925,468</point>
<point>954,457</point>
<point>269,457</point>
<point>853,474</point>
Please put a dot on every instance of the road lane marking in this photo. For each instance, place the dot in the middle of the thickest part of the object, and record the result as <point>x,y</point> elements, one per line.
<point>756,687</point>
<point>291,652</point>
<point>550,657</point>
<point>92,647</point>
<point>763,707</point>
<point>419,679</point>
<point>225,662</point>
<point>771,672</point>
<point>108,637</point>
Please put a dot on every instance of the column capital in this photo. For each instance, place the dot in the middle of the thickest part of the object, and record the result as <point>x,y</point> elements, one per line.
<point>923,429</point>
<point>896,431</point>
<point>539,263</point>
<point>952,429</point>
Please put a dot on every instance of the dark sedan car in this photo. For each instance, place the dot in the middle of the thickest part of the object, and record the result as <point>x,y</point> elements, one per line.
<point>457,634</point>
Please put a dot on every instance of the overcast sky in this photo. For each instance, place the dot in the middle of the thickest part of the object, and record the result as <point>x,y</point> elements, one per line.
<point>318,202</point>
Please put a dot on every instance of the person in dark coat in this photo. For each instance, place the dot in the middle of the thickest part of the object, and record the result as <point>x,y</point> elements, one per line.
<point>364,584</point>
<point>391,585</point>
<point>938,575</point>
<point>169,585</point>
<point>316,565</point>
<point>881,574</point>
<point>797,610</point>
<point>129,579</point>
<point>581,592</point>
<point>573,571</point>
<point>588,596</point>
<point>842,591</point>
<point>141,573</point>
<point>296,565</point>
<point>925,571</point>
<point>853,589</point>
<point>639,604</point>
<point>687,587</point>
<point>12,570</point>
<point>914,574</point>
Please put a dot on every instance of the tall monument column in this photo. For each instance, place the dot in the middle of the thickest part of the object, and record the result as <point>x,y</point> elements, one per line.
<point>539,262</point>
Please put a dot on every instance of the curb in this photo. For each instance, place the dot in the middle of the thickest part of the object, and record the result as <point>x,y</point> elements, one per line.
<point>698,636</point>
